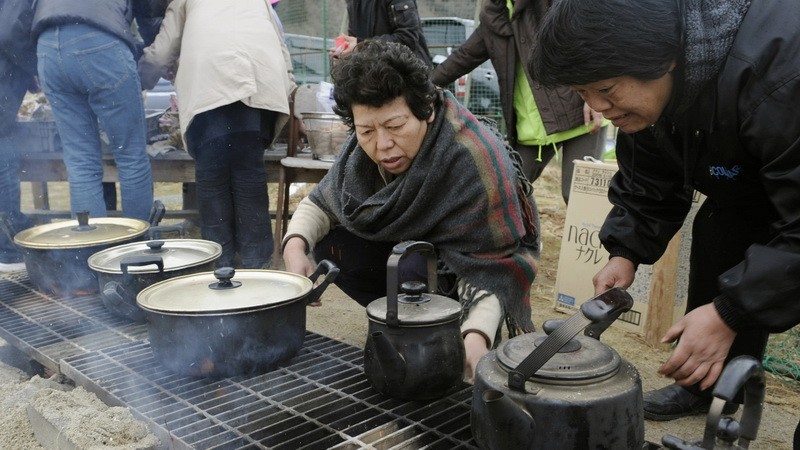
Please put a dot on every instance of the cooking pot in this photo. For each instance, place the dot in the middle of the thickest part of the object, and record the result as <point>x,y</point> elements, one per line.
<point>124,270</point>
<point>226,323</point>
<point>722,432</point>
<point>414,348</point>
<point>560,390</point>
<point>56,253</point>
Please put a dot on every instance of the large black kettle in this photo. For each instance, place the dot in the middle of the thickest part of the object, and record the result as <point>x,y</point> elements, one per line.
<point>414,348</point>
<point>560,390</point>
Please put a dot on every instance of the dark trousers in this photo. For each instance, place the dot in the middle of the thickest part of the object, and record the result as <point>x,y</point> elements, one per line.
<point>720,237</point>
<point>362,266</point>
<point>576,148</point>
<point>228,145</point>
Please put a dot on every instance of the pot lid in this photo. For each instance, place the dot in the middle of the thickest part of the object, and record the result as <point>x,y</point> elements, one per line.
<point>416,307</point>
<point>582,358</point>
<point>224,291</point>
<point>84,232</point>
<point>176,254</point>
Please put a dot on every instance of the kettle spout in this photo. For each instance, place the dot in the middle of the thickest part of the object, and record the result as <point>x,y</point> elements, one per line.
<point>511,425</point>
<point>392,365</point>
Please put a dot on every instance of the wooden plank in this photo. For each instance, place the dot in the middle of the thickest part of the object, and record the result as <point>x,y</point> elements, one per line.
<point>663,285</point>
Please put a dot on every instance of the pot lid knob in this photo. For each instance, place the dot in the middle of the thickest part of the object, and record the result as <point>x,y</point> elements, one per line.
<point>155,246</point>
<point>224,275</point>
<point>413,292</point>
<point>83,222</point>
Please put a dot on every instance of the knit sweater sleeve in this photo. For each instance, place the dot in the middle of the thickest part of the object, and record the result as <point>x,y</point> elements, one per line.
<point>309,222</point>
<point>484,317</point>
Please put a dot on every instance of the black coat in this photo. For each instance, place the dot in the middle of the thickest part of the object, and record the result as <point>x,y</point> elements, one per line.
<point>507,41</point>
<point>739,144</point>
<point>388,20</point>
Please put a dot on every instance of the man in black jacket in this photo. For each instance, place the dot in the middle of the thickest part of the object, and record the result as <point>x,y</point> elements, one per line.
<point>705,94</point>
<point>17,72</point>
<point>387,20</point>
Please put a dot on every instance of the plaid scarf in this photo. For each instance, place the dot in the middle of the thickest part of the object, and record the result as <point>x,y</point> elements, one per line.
<point>461,194</point>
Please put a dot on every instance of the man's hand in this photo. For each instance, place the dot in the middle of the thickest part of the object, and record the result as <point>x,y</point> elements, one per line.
<point>592,118</point>
<point>618,272</point>
<point>700,353</point>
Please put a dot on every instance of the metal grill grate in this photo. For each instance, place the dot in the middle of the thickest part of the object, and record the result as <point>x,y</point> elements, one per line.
<point>49,329</point>
<point>319,399</point>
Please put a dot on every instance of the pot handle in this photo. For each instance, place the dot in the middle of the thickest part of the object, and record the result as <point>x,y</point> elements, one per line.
<point>604,308</point>
<point>155,232</point>
<point>398,252</point>
<point>157,212</point>
<point>331,272</point>
<point>143,260</point>
<point>6,227</point>
<point>114,294</point>
<point>742,371</point>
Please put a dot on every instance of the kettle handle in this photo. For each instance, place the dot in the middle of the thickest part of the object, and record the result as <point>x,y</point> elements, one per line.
<point>398,252</point>
<point>742,371</point>
<point>602,309</point>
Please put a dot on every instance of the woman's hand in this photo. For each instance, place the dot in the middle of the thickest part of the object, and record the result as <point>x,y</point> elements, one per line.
<point>475,346</point>
<point>699,356</point>
<point>296,260</point>
<point>618,272</point>
<point>592,118</point>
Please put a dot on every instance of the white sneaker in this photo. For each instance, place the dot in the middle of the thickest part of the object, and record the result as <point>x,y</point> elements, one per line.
<point>12,267</point>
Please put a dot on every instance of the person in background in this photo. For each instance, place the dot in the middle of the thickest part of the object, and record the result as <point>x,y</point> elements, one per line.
<point>385,20</point>
<point>233,85</point>
<point>419,166</point>
<point>18,75</point>
<point>87,70</point>
<point>538,120</point>
<point>705,97</point>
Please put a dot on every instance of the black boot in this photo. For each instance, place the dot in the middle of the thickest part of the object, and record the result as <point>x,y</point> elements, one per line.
<point>674,401</point>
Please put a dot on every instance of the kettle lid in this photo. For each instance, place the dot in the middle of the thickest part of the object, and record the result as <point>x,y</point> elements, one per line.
<point>416,307</point>
<point>582,358</point>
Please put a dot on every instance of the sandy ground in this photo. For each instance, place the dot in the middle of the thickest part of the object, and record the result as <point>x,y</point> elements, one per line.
<point>343,319</point>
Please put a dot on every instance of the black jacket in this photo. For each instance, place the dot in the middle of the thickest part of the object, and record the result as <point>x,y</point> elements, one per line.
<point>17,49</point>
<point>388,20</point>
<point>112,16</point>
<point>506,42</point>
<point>739,144</point>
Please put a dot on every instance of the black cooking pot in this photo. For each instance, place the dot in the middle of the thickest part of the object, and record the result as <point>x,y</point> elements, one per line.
<point>210,324</point>
<point>56,254</point>
<point>124,270</point>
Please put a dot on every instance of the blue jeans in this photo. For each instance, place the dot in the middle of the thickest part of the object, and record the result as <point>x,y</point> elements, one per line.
<point>11,93</point>
<point>88,74</point>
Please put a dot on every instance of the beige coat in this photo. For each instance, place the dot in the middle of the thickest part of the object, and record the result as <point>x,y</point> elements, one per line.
<point>229,51</point>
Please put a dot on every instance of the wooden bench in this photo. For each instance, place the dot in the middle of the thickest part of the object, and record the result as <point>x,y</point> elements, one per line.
<point>171,167</point>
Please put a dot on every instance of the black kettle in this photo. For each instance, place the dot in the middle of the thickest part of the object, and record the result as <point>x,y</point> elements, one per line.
<point>723,432</point>
<point>560,390</point>
<point>414,348</point>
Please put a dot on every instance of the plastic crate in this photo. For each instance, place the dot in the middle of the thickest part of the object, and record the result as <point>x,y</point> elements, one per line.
<point>39,136</point>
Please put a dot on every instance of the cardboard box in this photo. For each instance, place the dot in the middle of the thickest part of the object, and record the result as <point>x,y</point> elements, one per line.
<point>582,255</point>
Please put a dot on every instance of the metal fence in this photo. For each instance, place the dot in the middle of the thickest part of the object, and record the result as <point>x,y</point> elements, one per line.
<point>312,25</point>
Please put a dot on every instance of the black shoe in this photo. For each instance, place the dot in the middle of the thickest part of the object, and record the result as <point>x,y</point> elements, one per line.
<point>673,402</point>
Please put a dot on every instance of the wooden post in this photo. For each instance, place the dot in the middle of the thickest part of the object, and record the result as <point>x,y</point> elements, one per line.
<point>663,285</point>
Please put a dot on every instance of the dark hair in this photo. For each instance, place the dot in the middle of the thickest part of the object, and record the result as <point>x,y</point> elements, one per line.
<point>581,42</point>
<point>377,72</point>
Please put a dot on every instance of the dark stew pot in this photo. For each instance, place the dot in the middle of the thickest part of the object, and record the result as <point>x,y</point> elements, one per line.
<point>56,254</point>
<point>124,270</point>
<point>229,323</point>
